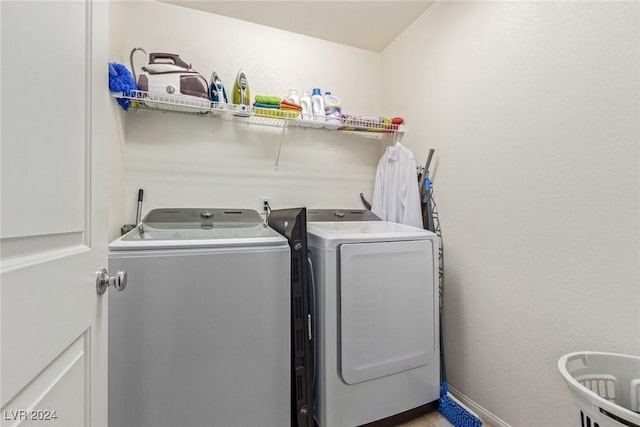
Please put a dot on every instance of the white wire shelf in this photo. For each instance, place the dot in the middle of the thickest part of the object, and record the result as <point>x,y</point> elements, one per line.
<point>141,100</point>
<point>253,115</point>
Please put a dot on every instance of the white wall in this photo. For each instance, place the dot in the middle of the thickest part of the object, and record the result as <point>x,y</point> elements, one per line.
<point>532,108</point>
<point>203,162</point>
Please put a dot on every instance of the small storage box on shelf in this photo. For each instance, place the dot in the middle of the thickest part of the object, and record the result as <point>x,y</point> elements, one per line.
<point>605,388</point>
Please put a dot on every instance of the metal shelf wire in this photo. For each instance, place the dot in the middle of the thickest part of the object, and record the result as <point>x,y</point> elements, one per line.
<point>157,101</point>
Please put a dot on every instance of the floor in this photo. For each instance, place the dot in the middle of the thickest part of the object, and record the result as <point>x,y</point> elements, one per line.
<point>433,419</point>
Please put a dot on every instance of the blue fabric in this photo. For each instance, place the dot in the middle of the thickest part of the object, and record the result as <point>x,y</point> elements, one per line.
<point>121,80</point>
<point>453,412</point>
<point>272,106</point>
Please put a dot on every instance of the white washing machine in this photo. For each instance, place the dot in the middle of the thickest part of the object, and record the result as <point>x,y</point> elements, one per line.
<point>377,318</point>
<point>201,334</point>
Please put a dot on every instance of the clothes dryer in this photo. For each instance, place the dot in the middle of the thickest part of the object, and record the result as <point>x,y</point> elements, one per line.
<point>377,317</point>
<point>201,335</point>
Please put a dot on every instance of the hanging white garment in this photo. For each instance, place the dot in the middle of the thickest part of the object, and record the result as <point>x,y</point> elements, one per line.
<point>396,196</point>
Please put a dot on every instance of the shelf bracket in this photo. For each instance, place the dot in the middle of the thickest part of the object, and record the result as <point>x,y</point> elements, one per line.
<point>284,130</point>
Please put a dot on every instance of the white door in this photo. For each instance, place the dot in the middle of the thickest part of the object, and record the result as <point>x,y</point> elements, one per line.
<point>386,312</point>
<point>53,367</point>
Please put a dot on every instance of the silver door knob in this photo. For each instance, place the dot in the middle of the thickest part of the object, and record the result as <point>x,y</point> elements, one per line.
<point>103,280</point>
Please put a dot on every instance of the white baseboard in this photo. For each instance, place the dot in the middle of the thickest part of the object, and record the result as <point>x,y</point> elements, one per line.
<point>485,415</point>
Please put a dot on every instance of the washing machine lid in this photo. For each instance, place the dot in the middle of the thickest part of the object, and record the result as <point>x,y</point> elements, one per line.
<point>188,228</point>
<point>333,234</point>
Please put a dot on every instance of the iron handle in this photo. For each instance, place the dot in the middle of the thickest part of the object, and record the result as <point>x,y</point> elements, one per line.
<point>103,280</point>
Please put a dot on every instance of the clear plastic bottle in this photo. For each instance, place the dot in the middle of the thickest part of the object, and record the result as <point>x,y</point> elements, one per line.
<point>317,105</point>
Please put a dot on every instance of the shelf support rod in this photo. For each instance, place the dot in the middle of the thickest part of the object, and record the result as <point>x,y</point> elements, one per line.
<point>284,129</point>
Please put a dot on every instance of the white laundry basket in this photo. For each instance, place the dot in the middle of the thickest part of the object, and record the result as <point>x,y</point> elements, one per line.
<point>605,388</point>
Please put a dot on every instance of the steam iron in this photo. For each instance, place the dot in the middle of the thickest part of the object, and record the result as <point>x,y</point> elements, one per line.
<point>171,84</point>
<point>241,94</point>
<point>217,92</point>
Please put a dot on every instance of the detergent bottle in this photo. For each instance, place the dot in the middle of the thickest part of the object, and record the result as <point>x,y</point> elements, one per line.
<point>293,96</point>
<point>305,103</point>
<point>317,105</point>
<point>332,108</point>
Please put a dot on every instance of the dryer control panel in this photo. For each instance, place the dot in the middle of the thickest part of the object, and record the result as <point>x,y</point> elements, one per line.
<point>326,215</point>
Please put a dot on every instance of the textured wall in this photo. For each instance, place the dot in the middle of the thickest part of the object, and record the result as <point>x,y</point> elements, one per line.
<point>532,108</point>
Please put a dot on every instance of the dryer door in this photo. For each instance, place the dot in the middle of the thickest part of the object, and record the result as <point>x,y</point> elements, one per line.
<point>387,308</point>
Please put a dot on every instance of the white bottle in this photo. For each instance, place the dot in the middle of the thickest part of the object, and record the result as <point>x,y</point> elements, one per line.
<point>305,103</point>
<point>317,105</point>
<point>332,108</point>
<point>293,96</point>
